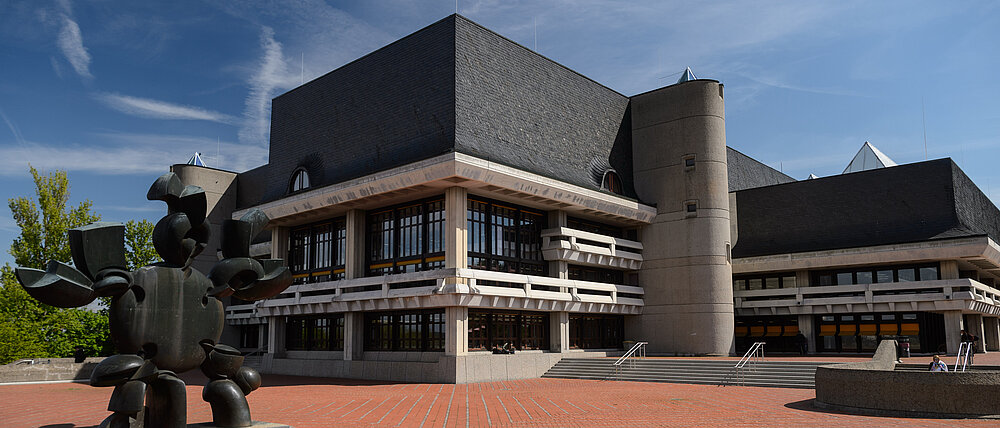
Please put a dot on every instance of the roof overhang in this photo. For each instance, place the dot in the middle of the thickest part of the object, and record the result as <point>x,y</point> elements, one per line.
<point>977,250</point>
<point>431,176</point>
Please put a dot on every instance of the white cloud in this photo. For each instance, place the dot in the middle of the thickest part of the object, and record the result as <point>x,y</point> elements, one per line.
<point>270,76</point>
<point>154,109</point>
<point>70,42</point>
<point>127,154</point>
<point>13,128</point>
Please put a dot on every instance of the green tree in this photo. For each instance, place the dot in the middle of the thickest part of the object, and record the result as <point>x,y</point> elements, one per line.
<point>43,226</point>
<point>29,328</point>
<point>139,249</point>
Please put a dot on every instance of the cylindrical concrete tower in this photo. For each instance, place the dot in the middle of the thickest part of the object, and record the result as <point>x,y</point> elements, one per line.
<point>679,162</point>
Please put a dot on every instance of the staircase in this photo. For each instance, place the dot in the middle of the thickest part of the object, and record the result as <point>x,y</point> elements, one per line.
<point>779,374</point>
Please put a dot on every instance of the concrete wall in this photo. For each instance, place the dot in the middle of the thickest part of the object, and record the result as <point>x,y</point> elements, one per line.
<point>875,386</point>
<point>686,274</point>
<point>427,367</point>
<point>49,369</point>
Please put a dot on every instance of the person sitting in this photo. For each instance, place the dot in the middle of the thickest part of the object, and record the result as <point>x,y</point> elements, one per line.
<point>937,365</point>
<point>507,348</point>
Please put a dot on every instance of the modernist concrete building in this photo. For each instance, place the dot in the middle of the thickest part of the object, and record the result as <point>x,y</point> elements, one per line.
<point>455,192</point>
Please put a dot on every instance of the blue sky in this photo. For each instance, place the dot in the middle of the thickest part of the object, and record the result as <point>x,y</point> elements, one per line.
<point>115,91</point>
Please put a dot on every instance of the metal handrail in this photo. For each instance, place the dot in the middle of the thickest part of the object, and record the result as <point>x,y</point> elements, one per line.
<point>636,351</point>
<point>751,358</point>
<point>963,356</point>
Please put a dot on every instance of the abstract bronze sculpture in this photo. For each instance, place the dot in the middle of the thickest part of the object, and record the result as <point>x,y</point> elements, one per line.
<point>166,318</point>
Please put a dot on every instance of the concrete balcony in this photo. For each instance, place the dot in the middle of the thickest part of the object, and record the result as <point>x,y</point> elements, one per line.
<point>967,295</point>
<point>590,249</point>
<point>443,288</point>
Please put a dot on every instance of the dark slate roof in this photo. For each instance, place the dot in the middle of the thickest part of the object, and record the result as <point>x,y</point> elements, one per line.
<point>746,172</point>
<point>524,110</point>
<point>453,86</point>
<point>907,203</point>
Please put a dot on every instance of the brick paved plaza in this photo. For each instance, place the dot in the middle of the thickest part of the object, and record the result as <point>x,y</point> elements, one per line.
<point>317,402</point>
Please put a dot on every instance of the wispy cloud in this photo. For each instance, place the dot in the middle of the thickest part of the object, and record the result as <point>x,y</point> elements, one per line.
<point>155,109</point>
<point>70,42</point>
<point>127,154</point>
<point>271,75</point>
<point>13,128</point>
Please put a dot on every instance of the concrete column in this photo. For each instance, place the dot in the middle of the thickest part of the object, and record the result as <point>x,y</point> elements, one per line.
<point>975,326</point>
<point>276,336</point>
<point>558,269</point>
<point>953,324</point>
<point>354,260</point>
<point>808,329</point>
<point>801,278</point>
<point>679,164</point>
<point>279,243</point>
<point>456,228</point>
<point>559,331</point>
<point>456,330</point>
<point>991,333</point>
<point>949,269</point>
<point>354,335</point>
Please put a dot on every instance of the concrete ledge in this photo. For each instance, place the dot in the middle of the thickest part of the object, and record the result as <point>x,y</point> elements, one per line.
<point>49,369</point>
<point>874,386</point>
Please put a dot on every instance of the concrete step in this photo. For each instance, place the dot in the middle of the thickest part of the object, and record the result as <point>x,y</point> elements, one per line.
<point>795,374</point>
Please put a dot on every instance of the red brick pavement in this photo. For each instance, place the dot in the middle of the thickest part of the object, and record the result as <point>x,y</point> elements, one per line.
<point>317,402</point>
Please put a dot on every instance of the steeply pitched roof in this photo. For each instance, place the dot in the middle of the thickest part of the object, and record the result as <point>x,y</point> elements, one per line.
<point>908,203</point>
<point>451,86</point>
<point>746,172</point>
<point>869,157</point>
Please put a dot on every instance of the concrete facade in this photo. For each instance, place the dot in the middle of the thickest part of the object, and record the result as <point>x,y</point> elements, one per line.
<point>646,221</point>
<point>679,149</point>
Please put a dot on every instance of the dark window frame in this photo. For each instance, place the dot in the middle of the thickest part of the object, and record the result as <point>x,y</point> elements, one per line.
<point>814,276</point>
<point>299,181</point>
<point>482,224</point>
<point>596,331</point>
<point>302,333</point>
<point>525,330</point>
<point>303,257</point>
<point>399,260</point>
<point>389,333</point>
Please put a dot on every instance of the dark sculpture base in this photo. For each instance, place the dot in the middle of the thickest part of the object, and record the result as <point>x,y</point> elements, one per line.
<point>255,424</point>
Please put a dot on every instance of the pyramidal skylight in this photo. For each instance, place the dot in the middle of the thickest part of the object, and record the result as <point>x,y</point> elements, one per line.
<point>868,158</point>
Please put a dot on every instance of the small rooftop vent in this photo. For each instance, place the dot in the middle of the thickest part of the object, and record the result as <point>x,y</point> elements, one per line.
<point>812,177</point>
<point>196,160</point>
<point>687,75</point>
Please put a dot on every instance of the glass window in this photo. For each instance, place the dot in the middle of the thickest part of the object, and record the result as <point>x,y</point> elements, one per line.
<point>884,276</point>
<point>929,273</point>
<point>845,278</point>
<point>772,282</point>
<point>888,317</point>
<point>316,252</point>
<point>408,238</point>
<point>864,277</point>
<point>738,284</point>
<point>756,283</point>
<point>521,330</point>
<point>825,279</point>
<point>300,180</point>
<point>847,318</point>
<point>504,238</point>
<point>315,333</point>
<point>612,182</point>
<point>868,318</point>
<point>908,274</point>
<point>827,318</point>
<point>592,331</point>
<point>909,316</point>
<point>788,281</point>
<point>587,273</point>
<point>405,331</point>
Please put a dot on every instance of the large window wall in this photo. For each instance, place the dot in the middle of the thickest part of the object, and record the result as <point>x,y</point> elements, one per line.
<point>406,238</point>
<point>861,332</point>
<point>405,331</point>
<point>317,252</point>
<point>522,330</point>
<point>593,331</point>
<point>315,333</point>
<point>877,275</point>
<point>504,237</point>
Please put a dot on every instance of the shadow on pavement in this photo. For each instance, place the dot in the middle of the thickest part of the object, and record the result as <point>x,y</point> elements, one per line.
<point>195,377</point>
